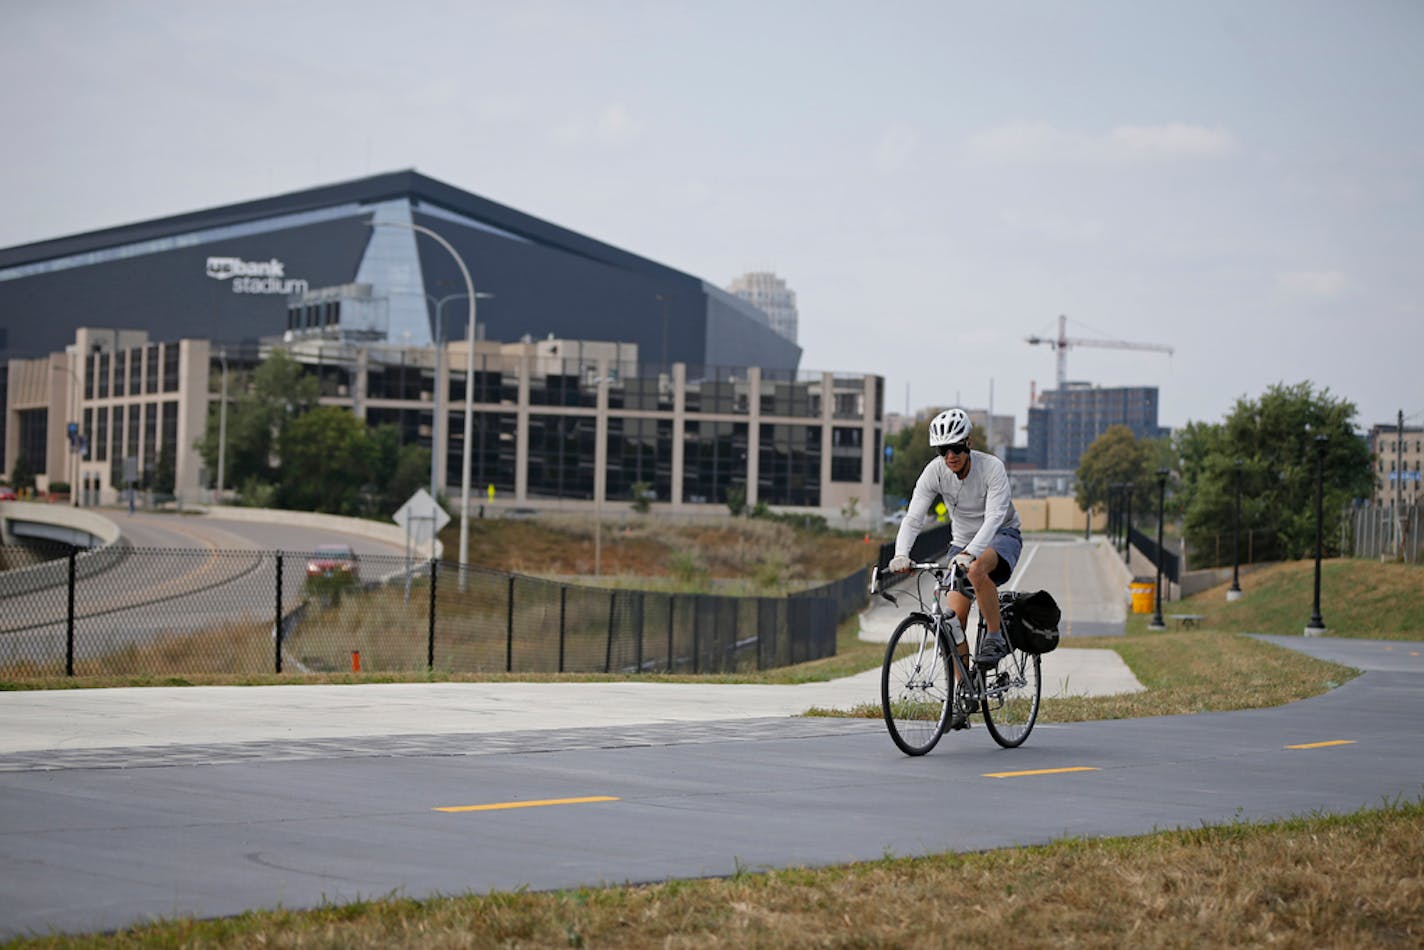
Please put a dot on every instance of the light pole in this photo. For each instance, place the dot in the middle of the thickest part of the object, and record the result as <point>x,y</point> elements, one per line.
<point>1128,489</point>
<point>469,385</point>
<point>222,424</point>
<point>1157,623</point>
<point>71,463</point>
<point>1233,593</point>
<point>437,387</point>
<point>1316,627</point>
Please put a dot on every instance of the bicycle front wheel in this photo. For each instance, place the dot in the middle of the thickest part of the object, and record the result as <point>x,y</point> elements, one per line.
<point>1011,697</point>
<point>916,683</point>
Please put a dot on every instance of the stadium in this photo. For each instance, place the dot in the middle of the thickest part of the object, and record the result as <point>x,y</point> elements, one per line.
<point>593,369</point>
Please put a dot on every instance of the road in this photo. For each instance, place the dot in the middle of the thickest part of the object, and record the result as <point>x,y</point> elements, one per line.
<point>182,574</point>
<point>110,826</point>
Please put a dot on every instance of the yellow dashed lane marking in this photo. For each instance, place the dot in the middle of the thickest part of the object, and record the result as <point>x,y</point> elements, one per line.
<point>1321,745</point>
<point>1076,768</point>
<point>502,806</point>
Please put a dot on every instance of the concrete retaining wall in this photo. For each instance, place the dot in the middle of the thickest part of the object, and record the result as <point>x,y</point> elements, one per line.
<point>391,533</point>
<point>108,545</point>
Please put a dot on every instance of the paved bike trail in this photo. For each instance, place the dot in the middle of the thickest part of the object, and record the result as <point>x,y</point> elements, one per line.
<point>217,829</point>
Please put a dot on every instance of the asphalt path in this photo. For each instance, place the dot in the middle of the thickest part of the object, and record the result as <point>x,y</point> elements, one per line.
<point>107,837</point>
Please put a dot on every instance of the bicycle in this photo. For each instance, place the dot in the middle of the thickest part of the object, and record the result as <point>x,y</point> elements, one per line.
<point>926,687</point>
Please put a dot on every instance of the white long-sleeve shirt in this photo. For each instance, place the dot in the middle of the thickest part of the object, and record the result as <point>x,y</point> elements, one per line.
<point>979,505</point>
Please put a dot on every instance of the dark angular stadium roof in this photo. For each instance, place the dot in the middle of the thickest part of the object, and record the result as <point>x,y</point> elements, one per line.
<point>391,185</point>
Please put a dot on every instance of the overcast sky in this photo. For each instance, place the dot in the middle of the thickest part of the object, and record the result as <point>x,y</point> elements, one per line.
<point>1242,181</point>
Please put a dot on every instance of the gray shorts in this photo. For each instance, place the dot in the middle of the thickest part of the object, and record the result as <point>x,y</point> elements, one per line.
<point>1008,544</point>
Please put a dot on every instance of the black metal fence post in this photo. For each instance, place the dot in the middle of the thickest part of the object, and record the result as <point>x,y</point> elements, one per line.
<point>563,613</point>
<point>509,631</point>
<point>608,649</point>
<point>672,598</point>
<point>277,628</point>
<point>69,624</point>
<point>430,648</point>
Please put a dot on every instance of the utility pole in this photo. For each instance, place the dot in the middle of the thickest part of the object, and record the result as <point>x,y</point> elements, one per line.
<point>1399,486</point>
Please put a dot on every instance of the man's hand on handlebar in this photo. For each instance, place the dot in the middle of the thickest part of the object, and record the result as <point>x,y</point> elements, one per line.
<point>899,564</point>
<point>963,559</point>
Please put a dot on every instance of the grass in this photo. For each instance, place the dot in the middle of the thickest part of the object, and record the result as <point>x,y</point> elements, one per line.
<point>1358,598</point>
<point>1350,880</point>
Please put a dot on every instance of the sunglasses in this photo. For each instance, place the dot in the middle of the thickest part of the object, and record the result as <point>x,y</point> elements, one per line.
<point>958,448</point>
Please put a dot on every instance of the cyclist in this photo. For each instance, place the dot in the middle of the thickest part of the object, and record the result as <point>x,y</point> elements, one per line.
<point>986,538</point>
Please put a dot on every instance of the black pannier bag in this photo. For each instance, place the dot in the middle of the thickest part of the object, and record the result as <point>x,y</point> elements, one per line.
<point>1031,620</point>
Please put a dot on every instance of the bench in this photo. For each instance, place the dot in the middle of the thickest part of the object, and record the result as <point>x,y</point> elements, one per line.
<point>1187,620</point>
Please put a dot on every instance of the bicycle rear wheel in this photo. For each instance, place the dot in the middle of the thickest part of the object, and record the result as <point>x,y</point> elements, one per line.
<point>916,683</point>
<point>1011,698</point>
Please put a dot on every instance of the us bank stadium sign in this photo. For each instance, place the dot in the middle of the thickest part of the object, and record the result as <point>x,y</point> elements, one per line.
<point>255,277</point>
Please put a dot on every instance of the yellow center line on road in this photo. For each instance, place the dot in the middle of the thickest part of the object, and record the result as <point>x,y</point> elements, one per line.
<point>1076,768</point>
<point>1321,745</point>
<point>502,806</point>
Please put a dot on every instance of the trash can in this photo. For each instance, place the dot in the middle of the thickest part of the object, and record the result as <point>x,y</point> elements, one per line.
<point>1144,594</point>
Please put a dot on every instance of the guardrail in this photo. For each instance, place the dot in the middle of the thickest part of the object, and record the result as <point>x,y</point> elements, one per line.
<point>184,612</point>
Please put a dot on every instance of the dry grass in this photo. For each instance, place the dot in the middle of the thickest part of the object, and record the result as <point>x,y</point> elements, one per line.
<point>745,548</point>
<point>1342,881</point>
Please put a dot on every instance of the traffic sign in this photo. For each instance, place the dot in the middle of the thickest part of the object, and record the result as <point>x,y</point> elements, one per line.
<point>421,517</point>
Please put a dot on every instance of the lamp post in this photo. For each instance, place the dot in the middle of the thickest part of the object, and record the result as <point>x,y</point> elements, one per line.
<point>469,385</point>
<point>436,388</point>
<point>222,424</point>
<point>1127,525</point>
<point>1157,623</point>
<point>1316,627</point>
<point>1233,593</point>
<point>71,462</point>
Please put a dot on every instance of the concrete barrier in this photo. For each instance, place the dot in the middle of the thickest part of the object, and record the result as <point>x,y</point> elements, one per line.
<point>390,533</point>
<point>107,545</point>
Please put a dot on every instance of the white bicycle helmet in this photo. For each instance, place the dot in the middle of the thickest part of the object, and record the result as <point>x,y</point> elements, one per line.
<point>949,427</point>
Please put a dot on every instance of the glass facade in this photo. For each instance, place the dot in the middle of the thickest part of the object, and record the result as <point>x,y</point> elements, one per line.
<point>639,450</point>
<point>790,465</point>
<point>492,455</point>
<point>561,455</point>
<point>714,457</point>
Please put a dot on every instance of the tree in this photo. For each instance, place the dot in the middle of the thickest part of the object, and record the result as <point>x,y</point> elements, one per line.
<point>165,472</point>
<point>1115,457</point>
<point>266,401</point>
<point>23,474</point>
<point>1274,437</point>
<point>326,456</point>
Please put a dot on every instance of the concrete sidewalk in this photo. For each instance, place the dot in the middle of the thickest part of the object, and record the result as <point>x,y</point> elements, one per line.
<point>198,715</point>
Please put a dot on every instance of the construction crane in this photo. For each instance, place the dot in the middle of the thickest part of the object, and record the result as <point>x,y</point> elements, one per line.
<point>1060,346</point>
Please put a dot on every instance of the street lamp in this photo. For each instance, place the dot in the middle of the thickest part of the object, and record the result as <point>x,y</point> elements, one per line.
<point>222,424</point>
<point>469,385</point>
<point>1157,623</point>
<point>1316,627</point>
<point>435,459</point>
<point>1128,489</point>
<point>1233,593</point>
<point>71,463</point>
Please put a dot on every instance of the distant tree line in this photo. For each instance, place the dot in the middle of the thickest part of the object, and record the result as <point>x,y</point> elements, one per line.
<point>285,450</point>
<point>1272,443</point>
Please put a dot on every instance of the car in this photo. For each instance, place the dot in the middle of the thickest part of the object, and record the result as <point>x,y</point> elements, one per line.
<point>895,517</point>
<point>335,561</point>
<point>8,494</point>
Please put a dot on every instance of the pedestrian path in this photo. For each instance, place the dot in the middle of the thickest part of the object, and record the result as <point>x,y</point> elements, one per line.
<point>196,715</point>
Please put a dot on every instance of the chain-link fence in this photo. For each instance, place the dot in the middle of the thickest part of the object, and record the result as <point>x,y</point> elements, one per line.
<point>1387,531</point>
<point>129,611</point>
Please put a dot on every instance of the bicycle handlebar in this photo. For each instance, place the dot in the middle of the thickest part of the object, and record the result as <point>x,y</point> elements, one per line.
<point>959,581</point>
